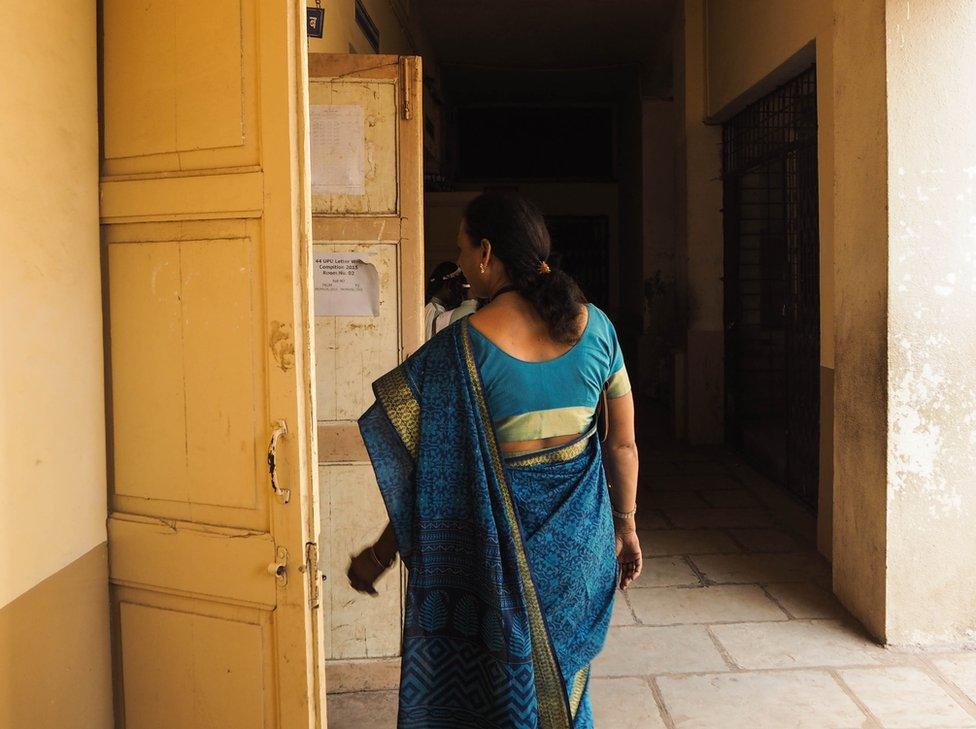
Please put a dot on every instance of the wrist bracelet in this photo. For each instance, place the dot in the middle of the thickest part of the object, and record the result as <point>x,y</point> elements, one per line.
<point>377,559</point>
<point>623,514</point>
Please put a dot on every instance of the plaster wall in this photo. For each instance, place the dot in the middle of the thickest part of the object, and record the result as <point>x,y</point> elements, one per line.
<point>860,267</point>
<point>931,327</point>
<point>52,408</point>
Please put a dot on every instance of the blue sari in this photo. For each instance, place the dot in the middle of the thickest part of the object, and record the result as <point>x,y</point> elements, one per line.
<point>511,560</point>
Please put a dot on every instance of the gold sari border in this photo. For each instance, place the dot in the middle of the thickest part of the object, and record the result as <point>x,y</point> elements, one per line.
<point>553,708</point>
<point>394,393</point>
<point>556,455</point>
<point>619,383</point>
<point>579,685</point>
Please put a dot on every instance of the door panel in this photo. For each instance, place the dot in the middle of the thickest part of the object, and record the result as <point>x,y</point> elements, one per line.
<point>343,382</point>
<point>206,219</point>
<point>375,105</point>
<point>180,85</point>
<point>385,224</point>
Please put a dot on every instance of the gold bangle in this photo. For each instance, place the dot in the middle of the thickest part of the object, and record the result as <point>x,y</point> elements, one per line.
<point>623,514</point>
<point>377,559</point>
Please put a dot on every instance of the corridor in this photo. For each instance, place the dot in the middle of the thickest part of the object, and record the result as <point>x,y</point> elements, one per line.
<point>733,625</point>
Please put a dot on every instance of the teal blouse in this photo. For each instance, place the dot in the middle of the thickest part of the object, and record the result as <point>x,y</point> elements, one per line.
<point>532,400</point>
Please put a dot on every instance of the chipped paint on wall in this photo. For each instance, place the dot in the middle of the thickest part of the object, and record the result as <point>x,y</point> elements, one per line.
<point>282,345</point>
<point>931,495</point>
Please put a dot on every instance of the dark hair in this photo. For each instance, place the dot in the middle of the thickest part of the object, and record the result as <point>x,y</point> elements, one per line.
<point>517,232</point>
<point>436,279</point>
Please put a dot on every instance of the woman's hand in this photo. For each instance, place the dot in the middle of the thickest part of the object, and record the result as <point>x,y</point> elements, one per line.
<point>363,572</point>
<point>629,557</point>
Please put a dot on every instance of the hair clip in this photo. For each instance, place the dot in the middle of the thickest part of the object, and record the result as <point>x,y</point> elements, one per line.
<point>543,267</point>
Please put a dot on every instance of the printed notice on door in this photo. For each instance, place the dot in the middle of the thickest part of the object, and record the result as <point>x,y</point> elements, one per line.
<point>346,284</point>
<point>338,149</point>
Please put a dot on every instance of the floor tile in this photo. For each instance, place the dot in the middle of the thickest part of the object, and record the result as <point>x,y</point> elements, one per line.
<point>720,604</point>
<point>672,499</point>
<point>622,614</point>
<point>806,600</point>
<point>796,643</point>
<point>624,703</point>
<point>686,541</point>
<point>665,572</point>
<point>765,540</point>
<point>960,669</point>
<point>651,519</point>
<point>375,709</point>
<point>905,698</point>
<point>700,468</point>
<point>793,699</point>
<point>760,568</point>
<point>642,651</point>
<point>675,482</point>
<point>731,498</point>
<point>718,518</point>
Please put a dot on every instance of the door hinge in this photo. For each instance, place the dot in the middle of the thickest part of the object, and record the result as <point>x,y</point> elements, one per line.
<point>314,578</point>
<point>405,88</point>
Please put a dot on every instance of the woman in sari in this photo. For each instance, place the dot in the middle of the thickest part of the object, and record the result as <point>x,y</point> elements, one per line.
<point>483,444</point>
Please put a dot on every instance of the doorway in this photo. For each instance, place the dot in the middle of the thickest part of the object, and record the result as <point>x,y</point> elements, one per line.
<point>772,300</point>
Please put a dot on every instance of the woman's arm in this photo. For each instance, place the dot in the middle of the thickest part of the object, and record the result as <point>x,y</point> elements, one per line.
<point>620,461</point>
<point>620,457</point>
<point>367,566</point>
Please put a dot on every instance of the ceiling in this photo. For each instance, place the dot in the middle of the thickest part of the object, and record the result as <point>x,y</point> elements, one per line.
<point>495,36</point>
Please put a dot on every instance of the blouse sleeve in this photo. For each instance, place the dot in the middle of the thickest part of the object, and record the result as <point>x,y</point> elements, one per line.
<point>618,383</point>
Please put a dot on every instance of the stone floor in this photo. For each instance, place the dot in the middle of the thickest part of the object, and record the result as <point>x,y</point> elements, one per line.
<point>733,624</point>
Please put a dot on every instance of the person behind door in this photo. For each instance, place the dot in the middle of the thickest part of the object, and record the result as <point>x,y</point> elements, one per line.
<point>469,302</point>
<point>441,295</point>
<point>483,445</point>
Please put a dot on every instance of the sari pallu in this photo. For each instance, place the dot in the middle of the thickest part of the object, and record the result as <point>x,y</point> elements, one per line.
<point>511,560</point>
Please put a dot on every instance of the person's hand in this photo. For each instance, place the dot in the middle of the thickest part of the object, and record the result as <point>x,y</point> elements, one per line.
<point>363,572</point>
<point>629,557</point>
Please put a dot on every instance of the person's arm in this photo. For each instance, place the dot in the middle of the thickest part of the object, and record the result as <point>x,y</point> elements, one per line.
<point>367,566</point>
<point>621,463</point>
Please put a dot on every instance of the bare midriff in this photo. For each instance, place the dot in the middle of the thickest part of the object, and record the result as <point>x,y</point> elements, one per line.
<point>524,446</point>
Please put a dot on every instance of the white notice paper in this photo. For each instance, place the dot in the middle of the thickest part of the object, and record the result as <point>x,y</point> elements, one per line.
<point>338,149</point>
<point>346,284</point>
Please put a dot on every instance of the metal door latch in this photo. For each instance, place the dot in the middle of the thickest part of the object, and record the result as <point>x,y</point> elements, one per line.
<point>312,566</point>
<point>279,568</point>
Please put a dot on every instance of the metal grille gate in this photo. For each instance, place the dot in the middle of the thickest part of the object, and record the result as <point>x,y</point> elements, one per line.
<point>772,286</point>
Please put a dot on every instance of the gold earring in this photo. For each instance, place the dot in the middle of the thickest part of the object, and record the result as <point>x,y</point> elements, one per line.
<point>481,266</point>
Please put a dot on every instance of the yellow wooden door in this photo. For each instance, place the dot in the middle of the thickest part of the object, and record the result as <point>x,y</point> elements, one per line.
<point>368,205</point>
<point>205,208</point>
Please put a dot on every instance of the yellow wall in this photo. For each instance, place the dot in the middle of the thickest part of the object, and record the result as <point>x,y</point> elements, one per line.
<point>52,429</point>
<point>861,229</point>
<point>342,35</point>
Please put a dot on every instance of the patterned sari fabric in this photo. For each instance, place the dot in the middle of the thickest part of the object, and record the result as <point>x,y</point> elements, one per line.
<point>511,561</point>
